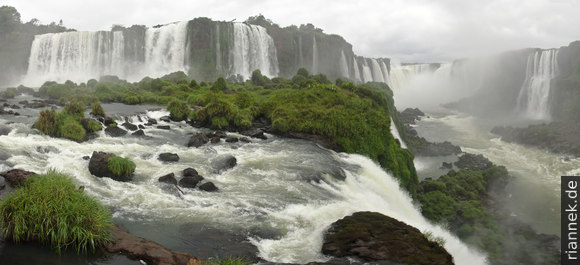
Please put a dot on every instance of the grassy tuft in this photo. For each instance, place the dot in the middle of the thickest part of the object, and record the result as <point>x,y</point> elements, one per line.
<point>227,261</point>
<point>121,166</point>
<point>50,210</point>
<point>178,109</point>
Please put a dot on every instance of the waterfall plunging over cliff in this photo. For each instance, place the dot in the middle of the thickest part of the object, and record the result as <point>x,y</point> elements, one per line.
<point>314,56</point>
<point>253,49</point>
<point>165,49</point>
<point>533,99</point>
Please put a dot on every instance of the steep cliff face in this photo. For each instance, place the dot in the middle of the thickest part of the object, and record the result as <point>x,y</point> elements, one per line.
<point>565,88</point>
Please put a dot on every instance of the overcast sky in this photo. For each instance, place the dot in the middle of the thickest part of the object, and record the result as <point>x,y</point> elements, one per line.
<point>407,30</point>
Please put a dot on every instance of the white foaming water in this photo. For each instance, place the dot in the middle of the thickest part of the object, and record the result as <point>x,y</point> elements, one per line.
<point>385,71</point>
<point>281,185</point>
<point>366,189</point>
<point>253,49</point>
<point>366,72</point>
<point>76,56</point>
<point>377,71</point>
<point>165,49</point>
<point>534,95</point>
<point>401,75</point>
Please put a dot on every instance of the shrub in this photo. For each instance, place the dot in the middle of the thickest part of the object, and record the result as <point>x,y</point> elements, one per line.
<point>75,109</point>
<point>193,84</point>
<point>220,85</point>
<point>72,129</point>
<point>46,122</point>
<point>9,93</point>
<point>227,261</point>
<point>121,166</point>
<point>178,109</point>
<point>93,126</point>
<point>50,210</point>
<point>97,109</point>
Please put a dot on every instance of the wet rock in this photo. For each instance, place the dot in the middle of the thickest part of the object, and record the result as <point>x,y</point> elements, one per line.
<point>86,157</point>
<point>215,140</point>
<point>141,126</point>
<point>99,167</point>
<point>232,140</point>
<point>138,133</point>
<point>409,116</point>
<point>5,130</point>
<point>164,127</point>
<point>144,249</point>
<point>208,186</point>
<point>197,140</point>
<point>255,133</point>
<point>115,131</point>
<point>16,177</point>
<point>375,237</point>
<point>473,162</point>
<point>189,172</point>
<point>168,157</point>
<point>224,163</point>
<point>190,181</point>
<point>245,140</point>
<point>165,119</point>
<point>107,121</point>
<point>130,126</point>
<point>151,121</point>
<point>220,134</point>
<point>169,178</point>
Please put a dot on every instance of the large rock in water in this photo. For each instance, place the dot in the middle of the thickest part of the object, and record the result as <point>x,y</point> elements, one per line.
<point>144,249</point>
<point>376,237</point>
<point>224,163</point>
<point>16,177</point>
<point>198,140</point>
<point>99,166</point>
<point>168,157</point>
<point>115,131</point>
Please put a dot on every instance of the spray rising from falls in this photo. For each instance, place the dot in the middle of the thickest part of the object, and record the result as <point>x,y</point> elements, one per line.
<point>253,49</point>
<point>533,99</point>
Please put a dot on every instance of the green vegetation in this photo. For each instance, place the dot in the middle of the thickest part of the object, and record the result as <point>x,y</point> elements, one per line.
<point>352,118</point>
<point>70,123</point>
<point>97,109</point>
<point>49,209</point>
<point>120,166</point>
<point>438,240</point>
<point>227,261</point>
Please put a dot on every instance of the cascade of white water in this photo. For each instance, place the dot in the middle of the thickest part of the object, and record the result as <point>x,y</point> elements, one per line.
<point>343,65</point>
<point>118,54</point>
<point>400,75</point>
<point>165,49</point>
<point>377,72</point>
<point>355,66</point>
<point>253,49</point>
<point>534,94</point>
<point>396,134</point>
<point>366,72</point>
<point>385,71</point>
<point>314,56</point>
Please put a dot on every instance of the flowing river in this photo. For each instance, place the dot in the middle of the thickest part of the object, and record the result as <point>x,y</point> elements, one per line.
<point>276,203</point>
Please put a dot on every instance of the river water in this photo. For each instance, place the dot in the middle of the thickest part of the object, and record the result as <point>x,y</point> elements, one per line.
<point>275,204</point>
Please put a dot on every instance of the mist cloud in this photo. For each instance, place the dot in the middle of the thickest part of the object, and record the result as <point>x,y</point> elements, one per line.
<point>410,30</point>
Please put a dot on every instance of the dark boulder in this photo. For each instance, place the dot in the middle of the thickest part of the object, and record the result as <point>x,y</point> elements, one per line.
<point>245,140</point>
<point>86,158</point>
<point>140,126</point>
<point>190,172</point>
<point>224,163</point>
<point>255,133</point>
<point>232,140</point>
<point>215,140</point>
<point>5,130</point>
<point>107,121</point>
<point>409,116</point>
<point>115,131</point>
<point>151,121</point>
<point>197,140</point>
<point>190,181</point>
<point>99,167</point>
<point>144,249</point>
<point>138,133</point>
<point>130,126</point>
<point>220,134</point>
<point>164,127</point>
<point>16,177</point>
<point>208,186</point>
<point>165,119</point>
<point>375,237</point>
<point>168,157</point>
<point>169,178</point>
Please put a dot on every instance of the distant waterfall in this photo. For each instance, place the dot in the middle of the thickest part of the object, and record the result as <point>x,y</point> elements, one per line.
<point>400,75</point>
<point>165,49</point>
<point>396,134</point>
<point>385,71</point>
<point>314,56</point>
<point>74,56</point>
<point>541,67</point>
<point>377,71</point>
<point>366,72</point>
<point>253,49</point>
<point>343,65</point>
<point>355,66</point>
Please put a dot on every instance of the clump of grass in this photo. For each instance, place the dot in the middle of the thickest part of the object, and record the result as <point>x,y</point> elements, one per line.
<point>72,129</point>
<point>227,261</point>
<point>121,166</point>
<point>97,109</point>
<point>435,239</point>
<point>178,109</point>
<point>46,122</point>
<point>49,209</point>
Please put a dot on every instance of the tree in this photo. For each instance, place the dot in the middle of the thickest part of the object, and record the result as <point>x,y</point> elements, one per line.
<point>9,19</point>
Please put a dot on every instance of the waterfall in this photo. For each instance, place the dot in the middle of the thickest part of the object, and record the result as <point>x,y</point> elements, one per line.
<point>366,72</point>
<point>343,65</point>
<point>253,49</point>
<point>377,71</point>
<point>76,56</point>
<point>314,56</point>
<point>385,71</point>
<point>534,94</point>
<point>357,76</point>
<point>165,49</point>
<point>396,134</point>
<point>400,75</point>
